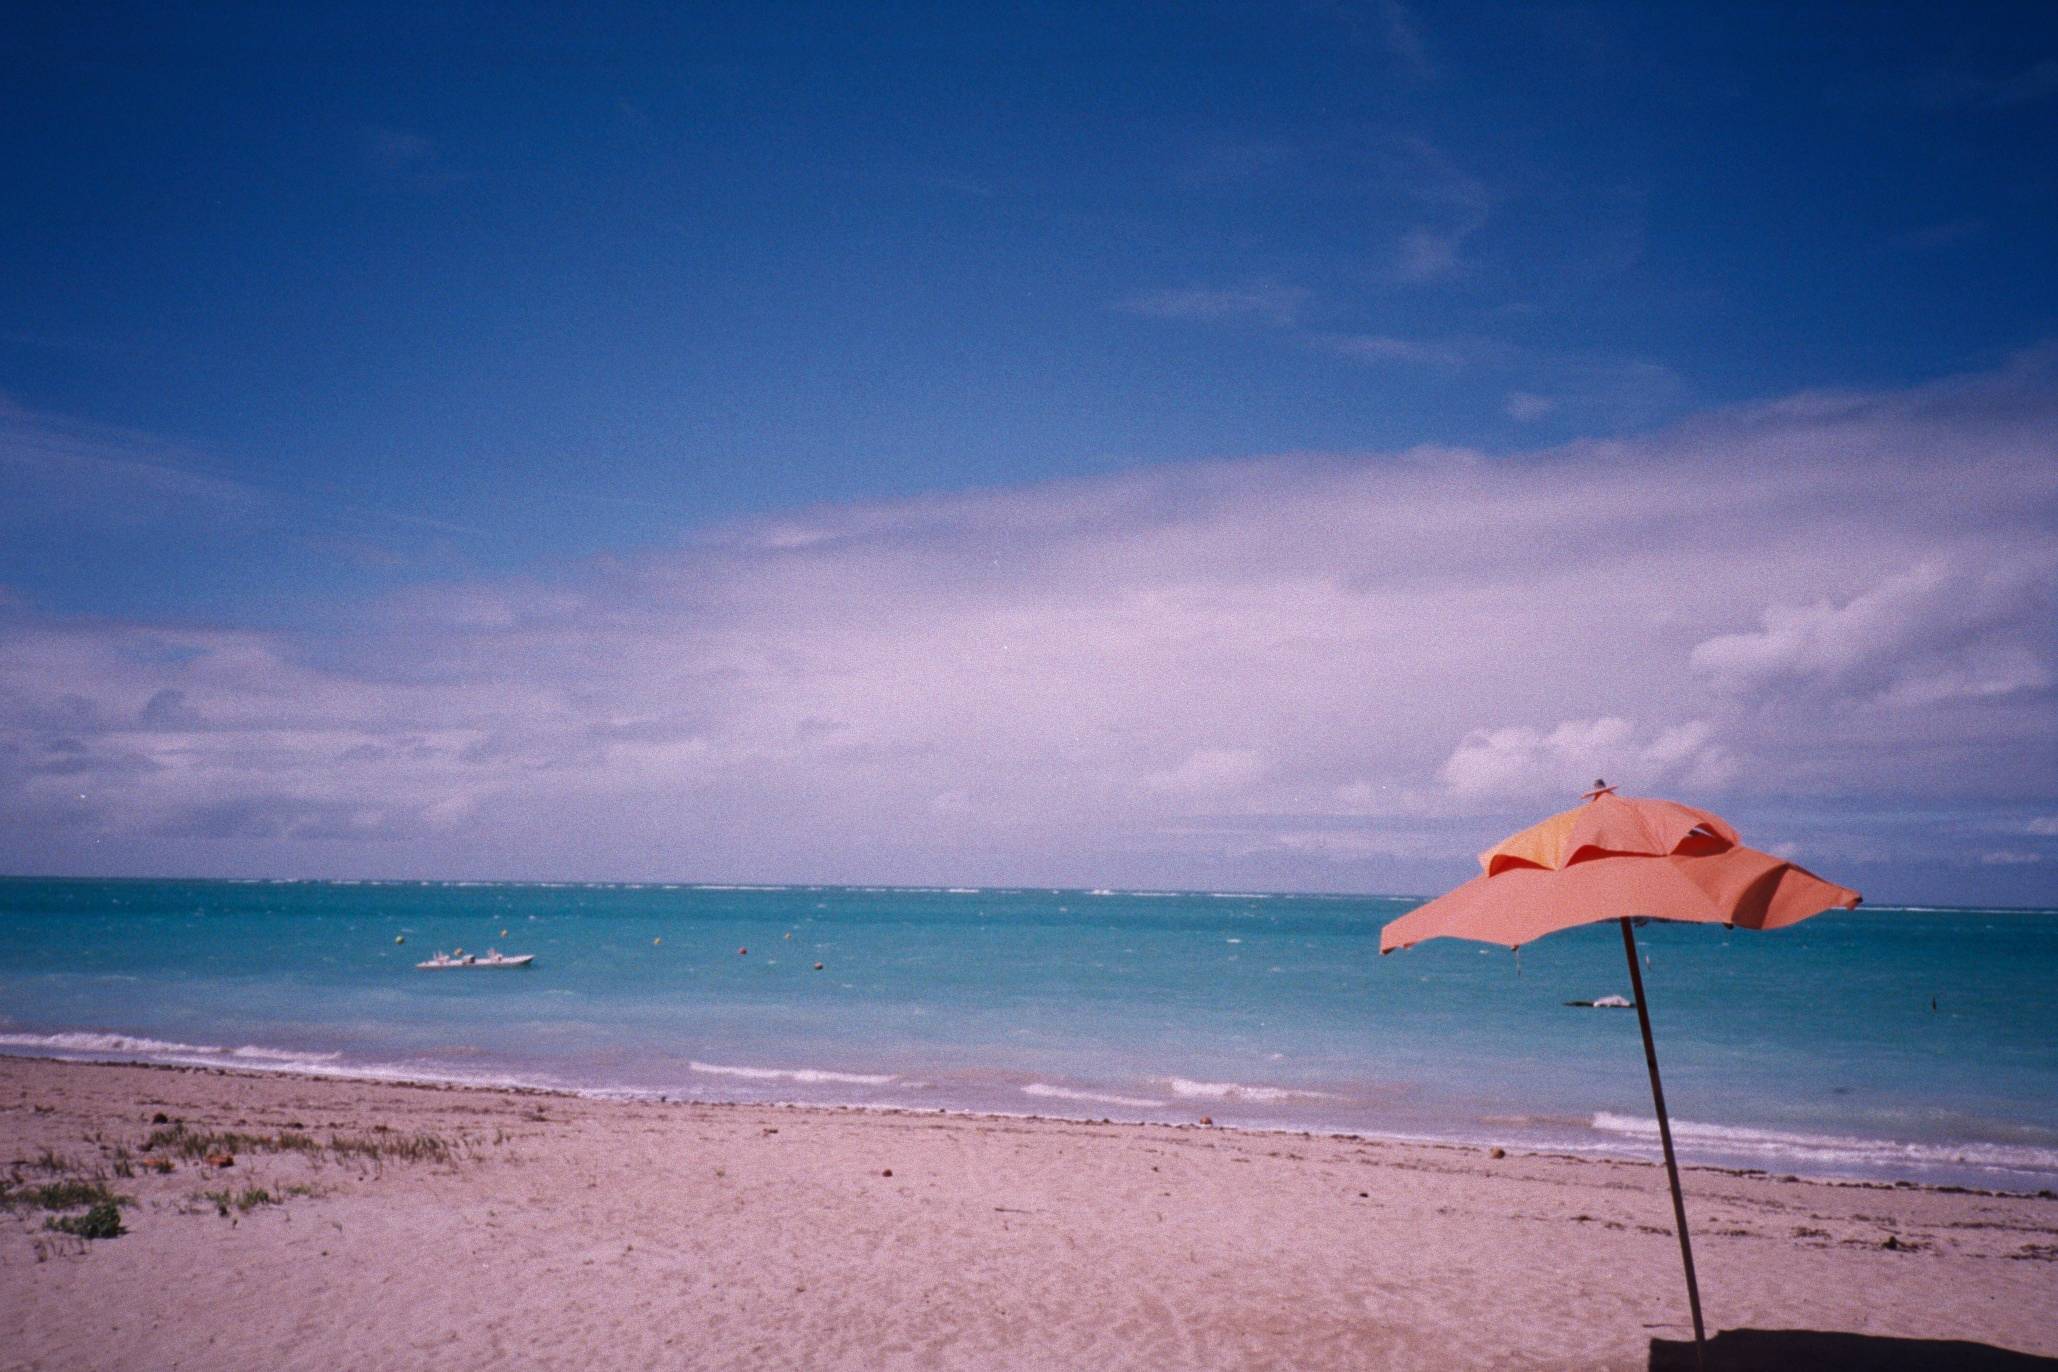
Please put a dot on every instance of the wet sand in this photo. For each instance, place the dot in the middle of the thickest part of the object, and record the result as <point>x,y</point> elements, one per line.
<point>379,1225</point>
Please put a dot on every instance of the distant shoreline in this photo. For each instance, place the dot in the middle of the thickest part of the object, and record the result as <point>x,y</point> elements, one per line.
<point>930,888</point>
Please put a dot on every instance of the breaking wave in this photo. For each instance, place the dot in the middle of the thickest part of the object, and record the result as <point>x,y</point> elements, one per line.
<point>1838,1151</point>
<point>805,1075</point>
<point>1236,1090</point>
<point>1049,1092</point>
<point>134,1045</point>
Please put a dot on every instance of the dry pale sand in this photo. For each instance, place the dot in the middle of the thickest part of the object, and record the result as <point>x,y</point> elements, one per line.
<point>551,1231</point>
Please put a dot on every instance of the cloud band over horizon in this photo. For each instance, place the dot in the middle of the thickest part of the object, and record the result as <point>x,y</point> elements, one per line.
<point>1829,616</point>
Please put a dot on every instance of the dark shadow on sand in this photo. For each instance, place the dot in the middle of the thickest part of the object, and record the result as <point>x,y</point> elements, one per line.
<point>1760,1350</point>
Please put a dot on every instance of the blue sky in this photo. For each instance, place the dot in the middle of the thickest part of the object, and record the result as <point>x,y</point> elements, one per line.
<point>389,362</point>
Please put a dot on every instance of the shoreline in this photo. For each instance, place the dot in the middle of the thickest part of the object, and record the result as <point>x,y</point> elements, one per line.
<point>747,1235</point>
<point>610,1094</point>
<point>1268,1015</point>
<point>301,1069</point>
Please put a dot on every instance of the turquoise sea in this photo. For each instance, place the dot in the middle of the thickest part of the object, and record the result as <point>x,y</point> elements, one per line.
<point>1908,1044</point>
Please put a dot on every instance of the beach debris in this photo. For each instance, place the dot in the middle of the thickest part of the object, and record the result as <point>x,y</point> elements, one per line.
<point>1497,1153</point>
<point>158,1164</point>
<point>1207,1119</point>
<point>160,1118</point>
<point>221,1159</point>
<point>887,1173</point>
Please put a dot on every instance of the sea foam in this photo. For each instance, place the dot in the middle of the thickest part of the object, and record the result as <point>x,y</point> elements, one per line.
<point>1236,1090</point>
<point>1834,1150</point>
<point>1049,1092</point>
<point>807,1075</point>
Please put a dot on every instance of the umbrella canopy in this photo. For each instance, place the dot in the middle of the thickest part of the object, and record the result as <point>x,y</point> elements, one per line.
<point>1620,858</point>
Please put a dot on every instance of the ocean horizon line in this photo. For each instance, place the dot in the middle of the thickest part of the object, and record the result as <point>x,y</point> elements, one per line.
<point>881,887</point>
<point>652,884</point>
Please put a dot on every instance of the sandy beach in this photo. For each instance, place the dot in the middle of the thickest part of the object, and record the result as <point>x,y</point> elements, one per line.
<point>378,1225</point>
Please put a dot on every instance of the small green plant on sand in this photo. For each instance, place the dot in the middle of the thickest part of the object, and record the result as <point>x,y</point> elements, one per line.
<point>103,1221</point>
<point>58,1195</point>
<point>181,1141</point>
<point>243,1202</point>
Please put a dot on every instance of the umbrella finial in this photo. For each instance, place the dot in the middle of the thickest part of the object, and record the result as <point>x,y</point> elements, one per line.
<point>1601,788</point>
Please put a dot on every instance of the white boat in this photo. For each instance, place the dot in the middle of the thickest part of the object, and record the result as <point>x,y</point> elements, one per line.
<point>492,958</point>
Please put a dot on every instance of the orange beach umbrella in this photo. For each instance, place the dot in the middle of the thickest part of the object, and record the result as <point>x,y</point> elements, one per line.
<point>1623,858</point>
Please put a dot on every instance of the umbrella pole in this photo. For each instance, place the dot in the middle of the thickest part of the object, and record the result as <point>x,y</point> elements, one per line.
<point>1686,1249</point>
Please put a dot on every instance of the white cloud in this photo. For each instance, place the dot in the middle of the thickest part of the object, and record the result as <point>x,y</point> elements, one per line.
<point>1430,254</point>
<point>1521,762</point>
<point>1209,774</point>
<point>1086,680</point>
<point>1934,633</point>
<point>57,468</point>
<point>1458,203</point>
